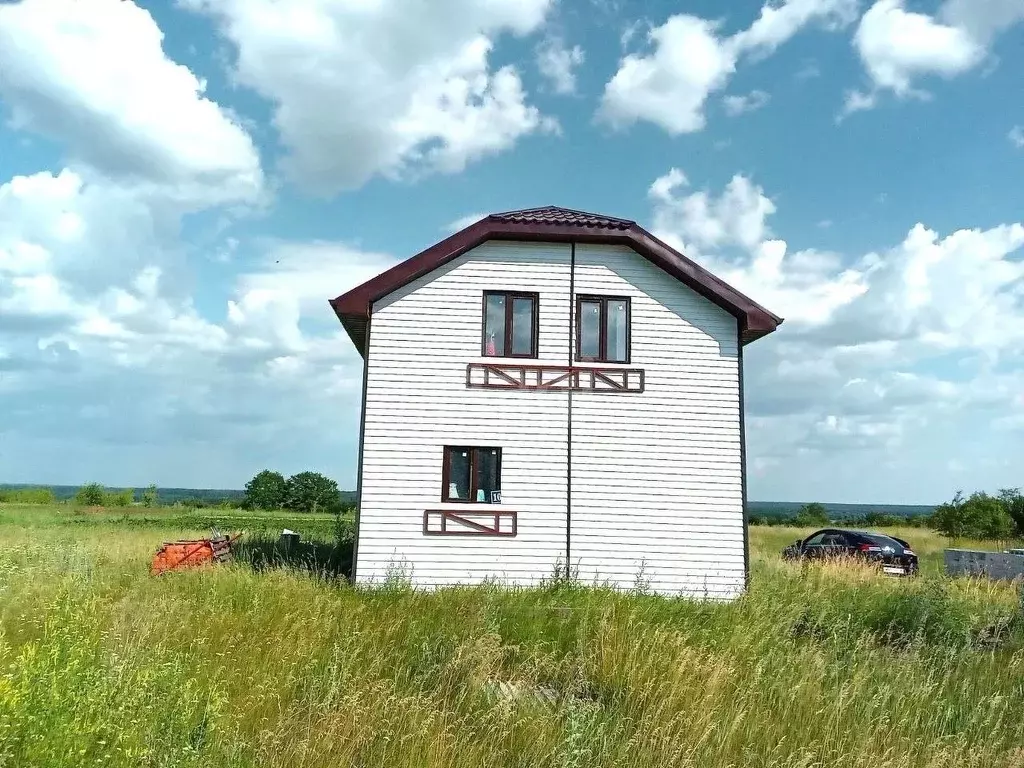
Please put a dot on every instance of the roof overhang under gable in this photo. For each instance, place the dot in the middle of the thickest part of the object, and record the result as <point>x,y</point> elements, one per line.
<point>552,225</point>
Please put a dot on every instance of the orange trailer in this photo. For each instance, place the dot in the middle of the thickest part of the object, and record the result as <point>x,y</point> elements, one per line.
<point>192,553</point>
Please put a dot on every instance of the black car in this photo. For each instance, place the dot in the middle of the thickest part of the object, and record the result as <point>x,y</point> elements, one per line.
<point>894,555</point>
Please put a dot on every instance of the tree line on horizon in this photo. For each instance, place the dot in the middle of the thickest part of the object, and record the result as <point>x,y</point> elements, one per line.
<point>267,490</point>
<point>978,516</point>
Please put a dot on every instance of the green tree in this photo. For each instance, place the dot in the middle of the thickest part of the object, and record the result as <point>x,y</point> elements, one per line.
<point>90,495</point>
<point>980,516</point>
<point>812,514</point>
<point>312,492</point>
<point>1013,500</point>
<point>267,490</point>
<point>150,497</point>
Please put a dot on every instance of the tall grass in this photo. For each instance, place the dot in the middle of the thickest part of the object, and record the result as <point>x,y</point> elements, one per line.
<point>244,666</point>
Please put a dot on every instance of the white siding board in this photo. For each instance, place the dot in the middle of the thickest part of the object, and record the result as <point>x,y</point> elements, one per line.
<point>669,504</point>
<point>421,339</point>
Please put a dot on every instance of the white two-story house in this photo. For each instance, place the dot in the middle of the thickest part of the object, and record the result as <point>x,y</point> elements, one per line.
<point>553,392</point>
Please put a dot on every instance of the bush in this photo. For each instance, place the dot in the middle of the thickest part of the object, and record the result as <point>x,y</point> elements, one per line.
<point>28,496</point>
<point>979,517</point>
<point>90,495</point>
<point>122,498</point>
<point>812,514</point>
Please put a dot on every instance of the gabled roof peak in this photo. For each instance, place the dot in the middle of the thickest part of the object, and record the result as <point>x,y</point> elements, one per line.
<point>554,215</point>
<point>551,224</point>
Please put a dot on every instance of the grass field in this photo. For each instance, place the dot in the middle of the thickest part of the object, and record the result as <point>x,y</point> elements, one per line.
<point>101,664</point>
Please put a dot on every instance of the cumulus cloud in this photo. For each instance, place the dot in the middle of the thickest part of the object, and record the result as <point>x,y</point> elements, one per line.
<point>558,64</point>
<point>383,88</point>
<point>899,47</point>
<point>130,360</point>
<point>691,59</point>
<point>99,82</point>
<point>863,359</point>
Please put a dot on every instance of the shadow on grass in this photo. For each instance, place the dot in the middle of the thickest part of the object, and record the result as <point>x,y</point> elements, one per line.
<point>331,560</point>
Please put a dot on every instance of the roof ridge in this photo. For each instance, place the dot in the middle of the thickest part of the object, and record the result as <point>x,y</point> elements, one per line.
<point>553,215</point>
<point>562,209</point>
<point>559,209</point>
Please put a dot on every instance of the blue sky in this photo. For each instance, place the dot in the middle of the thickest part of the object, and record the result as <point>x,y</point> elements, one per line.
<point>182,186</point>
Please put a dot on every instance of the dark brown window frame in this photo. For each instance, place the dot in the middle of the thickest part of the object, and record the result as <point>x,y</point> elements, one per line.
<point>603,322</point>
<point>474,473</point>
<point>510,296</point>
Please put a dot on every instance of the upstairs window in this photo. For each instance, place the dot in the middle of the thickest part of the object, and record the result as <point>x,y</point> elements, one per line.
<point>510,324</point>
<point>602,329</point>
<point>471,475</point>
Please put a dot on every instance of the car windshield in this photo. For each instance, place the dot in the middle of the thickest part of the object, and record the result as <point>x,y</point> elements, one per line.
<point>883,541</point>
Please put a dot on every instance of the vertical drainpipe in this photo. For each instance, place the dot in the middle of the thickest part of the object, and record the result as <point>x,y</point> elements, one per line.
<point>743,462</point>
<point>568,445</point>
<point>359,469</point>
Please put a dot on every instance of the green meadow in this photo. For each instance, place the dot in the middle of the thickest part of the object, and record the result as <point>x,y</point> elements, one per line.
<point>274,660</point>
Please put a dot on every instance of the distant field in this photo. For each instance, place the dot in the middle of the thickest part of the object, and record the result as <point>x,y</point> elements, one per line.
<point>765,508</point>
<point>101,664</point>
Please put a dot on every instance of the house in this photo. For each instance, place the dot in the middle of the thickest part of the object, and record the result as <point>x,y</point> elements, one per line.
<point>551,391</point>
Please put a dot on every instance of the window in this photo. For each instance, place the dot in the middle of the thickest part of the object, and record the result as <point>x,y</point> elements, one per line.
<point>834,540</point>
<point>510,324</point>
<point>602,329</point>
<point>471,475</point>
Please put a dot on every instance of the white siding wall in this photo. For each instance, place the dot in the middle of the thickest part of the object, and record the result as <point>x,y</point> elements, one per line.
<point>421,339</point>
<point>657,476</point>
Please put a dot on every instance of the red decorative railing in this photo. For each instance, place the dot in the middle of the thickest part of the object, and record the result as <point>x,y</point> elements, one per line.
<point>445,522</point>
<point>553,377</point>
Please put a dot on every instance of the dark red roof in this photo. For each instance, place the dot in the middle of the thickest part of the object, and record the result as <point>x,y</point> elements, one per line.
<point>550,214</point>
<point>551,224</point>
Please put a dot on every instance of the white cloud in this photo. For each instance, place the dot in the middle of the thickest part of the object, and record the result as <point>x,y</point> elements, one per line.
<point>103,345</point>
<point>93,75</point>
<point>737,105</point>
<point>361,89</point>
<point>858,362</point>
<point>899,46</point>
<point>311,272</point>
<point>736,218</point>
<point>1016,136</point>
<point>778,23</point>
<point>669,86</point>
<point>982,19</point>
<point>557,63</point>
<point>690,60</point>
<point>942,292</point>
<point>462,222</point>
<point>896,44</point>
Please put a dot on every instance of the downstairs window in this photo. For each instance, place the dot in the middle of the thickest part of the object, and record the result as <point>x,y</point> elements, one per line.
<point>471,475</point>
